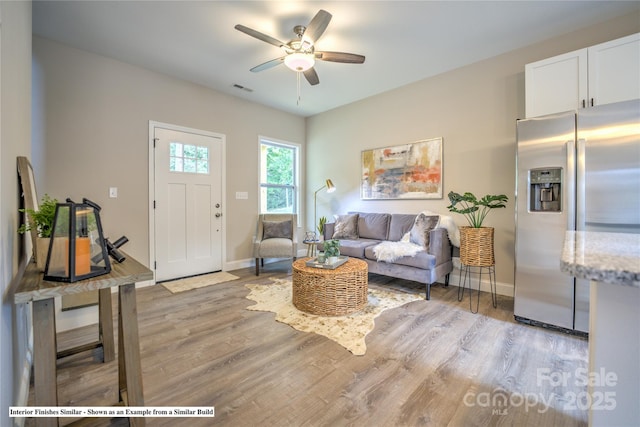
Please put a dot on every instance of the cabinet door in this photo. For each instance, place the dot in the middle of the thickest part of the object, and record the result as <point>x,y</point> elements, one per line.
<point>556,84</point>
<point>614,71</point>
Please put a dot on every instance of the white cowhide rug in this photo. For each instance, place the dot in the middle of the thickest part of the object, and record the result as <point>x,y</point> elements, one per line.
<point>348,331</point>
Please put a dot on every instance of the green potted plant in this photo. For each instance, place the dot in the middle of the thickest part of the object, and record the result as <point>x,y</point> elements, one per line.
<point>332,250</point>
<point>321,222</point>
<point>476,241</point>
<point>42,221</point>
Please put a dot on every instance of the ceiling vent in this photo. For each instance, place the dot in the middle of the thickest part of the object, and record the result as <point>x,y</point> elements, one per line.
<point>246,89</point>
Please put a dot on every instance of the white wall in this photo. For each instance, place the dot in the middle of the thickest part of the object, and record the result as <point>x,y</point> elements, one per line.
<point>474,108</point>
<point>15,136</point>
<point>94,135</point>
<point>91,132</point>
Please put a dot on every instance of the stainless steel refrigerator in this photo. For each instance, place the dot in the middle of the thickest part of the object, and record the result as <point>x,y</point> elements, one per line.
<point>578,170</point>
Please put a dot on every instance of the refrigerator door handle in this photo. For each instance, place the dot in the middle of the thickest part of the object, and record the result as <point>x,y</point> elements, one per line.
<point>570,185</point>
<point>580,185</point>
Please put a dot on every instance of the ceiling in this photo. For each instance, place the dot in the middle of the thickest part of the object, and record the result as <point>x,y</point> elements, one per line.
<point>403,41</point>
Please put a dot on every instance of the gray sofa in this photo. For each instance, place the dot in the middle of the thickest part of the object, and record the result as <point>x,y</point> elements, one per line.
<point>426,266</point>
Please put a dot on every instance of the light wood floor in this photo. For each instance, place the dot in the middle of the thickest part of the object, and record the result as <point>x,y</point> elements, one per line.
<point>430,363</point>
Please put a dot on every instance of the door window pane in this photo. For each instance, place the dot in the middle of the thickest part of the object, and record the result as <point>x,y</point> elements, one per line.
<point>188,158</point>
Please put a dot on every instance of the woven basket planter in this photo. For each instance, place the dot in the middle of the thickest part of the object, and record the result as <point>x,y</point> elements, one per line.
<point>476,246</point>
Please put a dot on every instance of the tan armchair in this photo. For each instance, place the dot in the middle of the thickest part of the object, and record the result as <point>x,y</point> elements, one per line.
<point>275,238</point>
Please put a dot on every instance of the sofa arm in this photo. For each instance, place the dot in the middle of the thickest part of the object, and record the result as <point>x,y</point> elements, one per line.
<point>439,245</point>
<point>328,230</point>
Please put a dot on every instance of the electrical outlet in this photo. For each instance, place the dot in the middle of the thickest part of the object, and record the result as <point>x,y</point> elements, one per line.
<point>113,192</point>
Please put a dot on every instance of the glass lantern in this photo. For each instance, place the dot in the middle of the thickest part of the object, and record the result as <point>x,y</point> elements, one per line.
<point>77,248</point>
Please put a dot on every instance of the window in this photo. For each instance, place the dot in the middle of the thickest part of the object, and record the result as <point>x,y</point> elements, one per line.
<point>188,158</point>
<point>279,173</point>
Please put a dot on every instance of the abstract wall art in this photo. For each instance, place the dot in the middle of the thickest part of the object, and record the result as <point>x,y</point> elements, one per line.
<point>409,171</point>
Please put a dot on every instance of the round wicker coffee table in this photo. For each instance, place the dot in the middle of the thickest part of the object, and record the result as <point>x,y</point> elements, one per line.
<point>328,292</point>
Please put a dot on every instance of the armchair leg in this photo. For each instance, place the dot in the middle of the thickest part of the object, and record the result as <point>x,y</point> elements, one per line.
<point>257,266</point>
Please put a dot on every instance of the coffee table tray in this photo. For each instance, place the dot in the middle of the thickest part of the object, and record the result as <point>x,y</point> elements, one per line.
<point>331,266</point>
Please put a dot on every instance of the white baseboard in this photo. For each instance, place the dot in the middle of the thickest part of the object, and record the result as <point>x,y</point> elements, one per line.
<point>250,262</point>
<point>454,278</point>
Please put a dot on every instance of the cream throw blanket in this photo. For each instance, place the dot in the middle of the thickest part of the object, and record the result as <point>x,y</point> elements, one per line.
<point>391,251</point>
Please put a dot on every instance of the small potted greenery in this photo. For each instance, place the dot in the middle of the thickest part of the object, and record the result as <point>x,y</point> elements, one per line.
<point>332,250</point>
<point>476,241</point>
<point>321,222</point>
<point>42,221</point>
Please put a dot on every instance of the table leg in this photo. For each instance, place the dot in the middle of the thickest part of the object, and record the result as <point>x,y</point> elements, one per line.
<point>106,325</point>
<point>44,358</point>
<point>129,366</point>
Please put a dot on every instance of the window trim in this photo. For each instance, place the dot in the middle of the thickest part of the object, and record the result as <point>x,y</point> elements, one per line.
<point>297,148</point>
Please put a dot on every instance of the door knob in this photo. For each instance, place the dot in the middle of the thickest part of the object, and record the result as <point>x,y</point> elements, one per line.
<point>218,215</point>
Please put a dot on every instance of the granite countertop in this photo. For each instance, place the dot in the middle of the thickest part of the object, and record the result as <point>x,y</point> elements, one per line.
<point>602,257</point>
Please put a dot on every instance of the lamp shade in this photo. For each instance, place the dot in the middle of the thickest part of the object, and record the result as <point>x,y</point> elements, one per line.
<point>299,61</point>
<point>330,187</point>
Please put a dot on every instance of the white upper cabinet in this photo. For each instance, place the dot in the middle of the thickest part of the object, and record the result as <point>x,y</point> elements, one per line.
<point>601,74</point>
<point>614,71</point>
<point>556,84</point>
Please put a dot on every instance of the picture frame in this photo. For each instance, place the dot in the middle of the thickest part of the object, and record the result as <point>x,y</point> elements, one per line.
<point>408,171</point>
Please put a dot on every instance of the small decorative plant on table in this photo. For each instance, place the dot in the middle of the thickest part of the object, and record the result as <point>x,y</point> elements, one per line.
<point>321,222</point>
<point>42,221</point>
<point>476,241</point>
<point>332,250</point>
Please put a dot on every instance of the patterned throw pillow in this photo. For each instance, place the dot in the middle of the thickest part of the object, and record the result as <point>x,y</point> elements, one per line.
<point>346,227</point>
<point>419,233</point>
<point>276,229</point>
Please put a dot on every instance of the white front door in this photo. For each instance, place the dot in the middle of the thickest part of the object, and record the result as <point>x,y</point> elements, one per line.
<point>188,203</point>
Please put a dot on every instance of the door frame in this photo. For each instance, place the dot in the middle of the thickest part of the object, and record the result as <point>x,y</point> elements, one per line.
<point>152,187</point>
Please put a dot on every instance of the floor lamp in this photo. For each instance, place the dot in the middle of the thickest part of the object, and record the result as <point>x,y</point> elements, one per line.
<point>330,189</point>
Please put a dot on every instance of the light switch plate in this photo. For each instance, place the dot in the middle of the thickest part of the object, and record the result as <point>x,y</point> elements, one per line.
<point>113,192</point>
<point>242,195</point>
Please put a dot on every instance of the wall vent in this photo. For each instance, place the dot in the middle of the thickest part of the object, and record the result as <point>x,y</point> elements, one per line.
<point>246,89</point>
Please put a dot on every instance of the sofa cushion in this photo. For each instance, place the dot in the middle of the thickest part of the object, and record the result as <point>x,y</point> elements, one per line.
<point>346,227</point>
<point>373,225</point>
<point>276,229</point>
<point>422,259</point>
<point>419,233</point>
<point>356,248</point>
<point>400,225</point>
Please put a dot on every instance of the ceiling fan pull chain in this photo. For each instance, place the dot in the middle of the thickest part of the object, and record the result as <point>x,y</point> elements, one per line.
<point>298,87</point>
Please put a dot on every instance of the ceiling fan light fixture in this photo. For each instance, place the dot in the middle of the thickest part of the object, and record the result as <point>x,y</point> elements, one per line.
<point>299,61</point>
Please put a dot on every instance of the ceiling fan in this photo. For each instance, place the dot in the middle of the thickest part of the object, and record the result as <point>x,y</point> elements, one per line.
<point>300,52</point>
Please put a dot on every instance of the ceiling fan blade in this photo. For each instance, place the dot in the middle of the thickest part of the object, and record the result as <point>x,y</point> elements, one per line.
<point>315,28</point>
<point>258,35</point>
<point>350,58</point>
<point>268,64</point>
<point>312,76</point>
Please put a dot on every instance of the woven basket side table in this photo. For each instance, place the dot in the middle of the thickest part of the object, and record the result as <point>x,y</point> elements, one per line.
<point>330,292</point>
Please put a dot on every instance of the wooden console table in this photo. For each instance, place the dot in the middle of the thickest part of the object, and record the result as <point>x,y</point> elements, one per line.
<point>41,293</point>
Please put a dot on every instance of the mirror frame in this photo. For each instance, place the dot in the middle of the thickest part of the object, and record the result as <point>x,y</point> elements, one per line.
<point>29,193</point>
